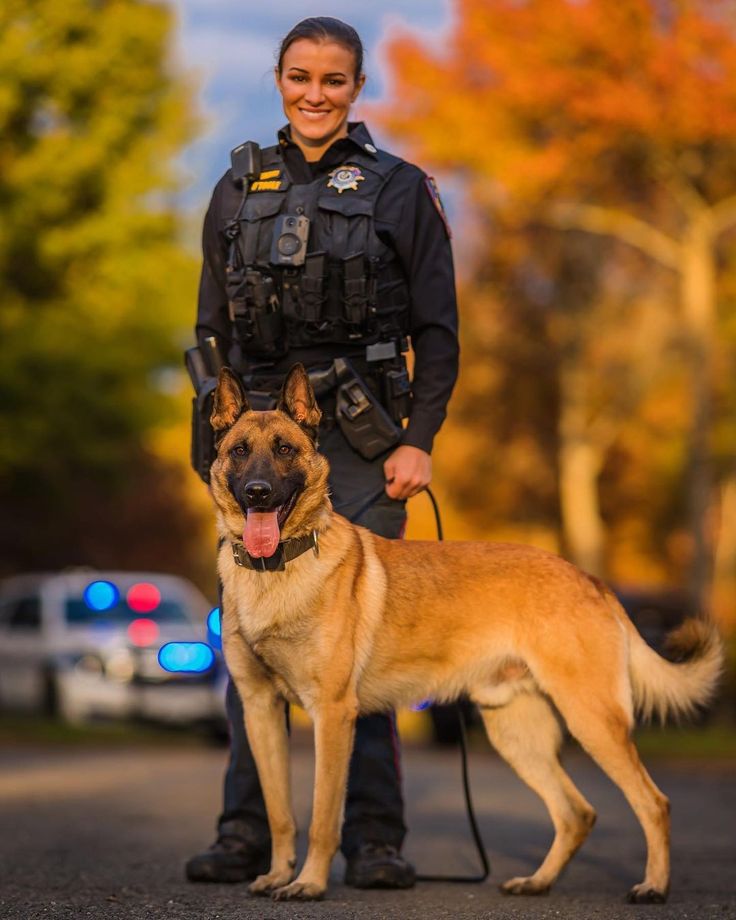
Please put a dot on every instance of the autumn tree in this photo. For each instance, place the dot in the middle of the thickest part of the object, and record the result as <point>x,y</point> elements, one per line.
<point>96,288</point>
<point>616,120</point>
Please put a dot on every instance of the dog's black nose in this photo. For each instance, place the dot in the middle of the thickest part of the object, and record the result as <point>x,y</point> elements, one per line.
<point>257,491</point>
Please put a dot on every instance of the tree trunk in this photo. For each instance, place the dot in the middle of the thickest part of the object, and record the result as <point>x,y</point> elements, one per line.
<point>698,302</point>
<point>580,462</point>
<point>724,582</point>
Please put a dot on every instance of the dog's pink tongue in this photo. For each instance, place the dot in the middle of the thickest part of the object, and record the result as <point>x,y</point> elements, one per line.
<point>261,534</point>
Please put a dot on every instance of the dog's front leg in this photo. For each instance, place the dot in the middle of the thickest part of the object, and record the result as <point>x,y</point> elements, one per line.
<point>265,726</point>
<point>334,729</point>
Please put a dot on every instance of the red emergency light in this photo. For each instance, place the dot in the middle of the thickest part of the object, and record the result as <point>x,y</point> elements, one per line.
<point>143,632</point>
<point>143,597</point>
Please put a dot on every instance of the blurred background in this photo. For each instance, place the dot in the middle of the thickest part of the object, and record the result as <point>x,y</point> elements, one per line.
<point>586,152</point>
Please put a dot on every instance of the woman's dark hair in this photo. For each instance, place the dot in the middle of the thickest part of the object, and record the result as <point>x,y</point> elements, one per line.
<point>322,29</point>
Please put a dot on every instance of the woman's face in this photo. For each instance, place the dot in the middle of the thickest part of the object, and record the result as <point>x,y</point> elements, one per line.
<point>317,85</point>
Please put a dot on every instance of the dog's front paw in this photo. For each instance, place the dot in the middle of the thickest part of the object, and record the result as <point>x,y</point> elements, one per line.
<point>300,891</point>
<point>529,886</point>
<point>643,893</point>
<point>266,884</point>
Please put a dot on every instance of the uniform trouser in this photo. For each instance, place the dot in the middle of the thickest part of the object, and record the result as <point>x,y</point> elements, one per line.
<point>374,809</point>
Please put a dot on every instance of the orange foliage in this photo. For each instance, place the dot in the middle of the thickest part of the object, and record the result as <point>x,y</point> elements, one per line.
<point>535,93</point>
<point>612,120</point>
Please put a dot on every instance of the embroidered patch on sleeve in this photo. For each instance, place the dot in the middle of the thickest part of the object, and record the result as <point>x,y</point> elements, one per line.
<point>434,194</point>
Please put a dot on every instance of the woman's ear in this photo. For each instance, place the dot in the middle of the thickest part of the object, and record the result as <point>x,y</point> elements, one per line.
<point>359,84</point>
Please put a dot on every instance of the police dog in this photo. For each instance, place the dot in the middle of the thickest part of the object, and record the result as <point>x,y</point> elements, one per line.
<point>357,624</point>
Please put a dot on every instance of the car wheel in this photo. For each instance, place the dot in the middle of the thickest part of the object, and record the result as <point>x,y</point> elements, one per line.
<point>50,698</point>
<point>58,704</point>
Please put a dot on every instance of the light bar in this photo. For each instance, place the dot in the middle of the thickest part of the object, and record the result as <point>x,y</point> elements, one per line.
<point>143,597</point>
<point>186,657</point>
<point>143,632</point>
<point>101,595</point>
<point>213,622</point>
<point>214,628</point>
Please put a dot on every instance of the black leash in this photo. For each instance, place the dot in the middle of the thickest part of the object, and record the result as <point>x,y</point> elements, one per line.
<point>480,846</point>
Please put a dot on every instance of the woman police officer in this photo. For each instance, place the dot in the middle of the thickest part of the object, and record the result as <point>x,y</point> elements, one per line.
<point>375,266</point>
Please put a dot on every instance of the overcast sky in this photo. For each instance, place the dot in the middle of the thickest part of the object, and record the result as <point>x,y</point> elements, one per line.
<point>229,47</point>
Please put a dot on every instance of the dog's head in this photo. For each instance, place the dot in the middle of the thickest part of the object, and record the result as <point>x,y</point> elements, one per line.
<point>268,481</point>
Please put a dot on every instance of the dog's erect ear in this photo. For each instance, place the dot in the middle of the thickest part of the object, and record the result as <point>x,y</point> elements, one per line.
<point>297,399</point>
<point>230,400</point>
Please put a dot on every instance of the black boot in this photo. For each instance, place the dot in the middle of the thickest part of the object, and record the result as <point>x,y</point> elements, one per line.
<point>229,859</point>
<point>378,865</point>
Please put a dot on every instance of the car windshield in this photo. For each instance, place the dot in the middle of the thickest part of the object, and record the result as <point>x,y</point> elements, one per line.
<point>77,611</point>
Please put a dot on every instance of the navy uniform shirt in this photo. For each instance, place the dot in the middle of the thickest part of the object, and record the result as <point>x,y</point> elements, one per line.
<point>408,220</point>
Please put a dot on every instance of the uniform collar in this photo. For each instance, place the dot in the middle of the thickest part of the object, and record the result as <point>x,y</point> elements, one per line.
<point>357,136</point>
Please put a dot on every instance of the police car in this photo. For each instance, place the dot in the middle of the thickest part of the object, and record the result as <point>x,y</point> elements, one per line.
<point>83,643</point>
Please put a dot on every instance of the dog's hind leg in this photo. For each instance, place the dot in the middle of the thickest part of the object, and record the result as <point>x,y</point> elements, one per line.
<point>527,735</point>
<point>603,728</point>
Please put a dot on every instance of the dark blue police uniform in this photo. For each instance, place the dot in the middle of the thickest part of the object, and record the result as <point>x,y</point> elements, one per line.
<point>378,269</point>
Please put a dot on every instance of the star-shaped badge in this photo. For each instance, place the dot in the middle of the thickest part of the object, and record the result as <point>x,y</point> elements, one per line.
<point>345,177</point>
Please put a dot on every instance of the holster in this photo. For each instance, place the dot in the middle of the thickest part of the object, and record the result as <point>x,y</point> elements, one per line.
<point>204,382</point>
<point>203,437</point>
<point>365,424</point>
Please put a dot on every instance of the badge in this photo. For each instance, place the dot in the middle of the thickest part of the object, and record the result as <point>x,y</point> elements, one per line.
<point>434,194</point>
<point>345,177</point>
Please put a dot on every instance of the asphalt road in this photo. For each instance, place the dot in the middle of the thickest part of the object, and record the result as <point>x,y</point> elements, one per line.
<point>104,834</point>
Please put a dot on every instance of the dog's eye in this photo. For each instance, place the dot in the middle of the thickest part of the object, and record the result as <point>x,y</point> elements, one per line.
<point>240,451</point>
<point>285,449</point>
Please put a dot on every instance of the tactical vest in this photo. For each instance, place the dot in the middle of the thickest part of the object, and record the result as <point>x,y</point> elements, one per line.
<point>351,288</point>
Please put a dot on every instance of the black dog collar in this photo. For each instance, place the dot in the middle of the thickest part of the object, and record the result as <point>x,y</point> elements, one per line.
<point>285,552</point>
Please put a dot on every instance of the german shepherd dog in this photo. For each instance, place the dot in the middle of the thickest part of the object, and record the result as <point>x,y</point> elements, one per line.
<point>358,624</point>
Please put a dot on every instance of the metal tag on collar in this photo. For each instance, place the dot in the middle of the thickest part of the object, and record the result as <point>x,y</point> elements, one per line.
<point>275,563</point>
<point>315,537</point>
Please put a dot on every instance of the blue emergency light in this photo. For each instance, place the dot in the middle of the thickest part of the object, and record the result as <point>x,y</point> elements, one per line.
<point>214,628</point>
<point>186,657</point>
<point>101,595</point>
<point>213,622</point>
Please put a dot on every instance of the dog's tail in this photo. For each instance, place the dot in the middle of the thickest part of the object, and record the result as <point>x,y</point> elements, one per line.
<point>675,688</point>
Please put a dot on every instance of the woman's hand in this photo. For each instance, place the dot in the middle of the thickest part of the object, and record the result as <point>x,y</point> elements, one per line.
<point>408,470</point>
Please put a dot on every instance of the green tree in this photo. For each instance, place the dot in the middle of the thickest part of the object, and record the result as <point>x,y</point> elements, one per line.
<point>96,288</point>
